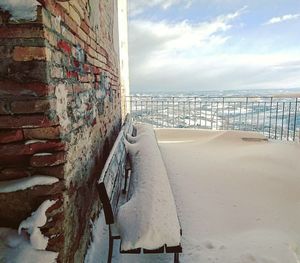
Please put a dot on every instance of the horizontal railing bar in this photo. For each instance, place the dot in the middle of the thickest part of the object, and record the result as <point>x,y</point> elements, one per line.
<point>215,97</point>
<point>275,117</point>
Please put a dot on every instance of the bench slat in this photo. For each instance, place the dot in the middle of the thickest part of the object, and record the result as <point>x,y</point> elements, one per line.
<point>176,249</point>
<point>132,251</point>
<point>154,251</point>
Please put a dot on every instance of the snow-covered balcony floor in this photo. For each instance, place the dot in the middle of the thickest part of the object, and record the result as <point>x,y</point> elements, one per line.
<point>238,200</point>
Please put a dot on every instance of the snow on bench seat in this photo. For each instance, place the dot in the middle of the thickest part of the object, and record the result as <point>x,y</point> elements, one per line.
<point>149,219</point>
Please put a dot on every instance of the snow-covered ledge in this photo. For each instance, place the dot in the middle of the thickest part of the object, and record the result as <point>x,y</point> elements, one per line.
<point>25,183</point>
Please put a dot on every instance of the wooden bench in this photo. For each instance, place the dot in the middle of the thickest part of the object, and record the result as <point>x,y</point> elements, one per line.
<point>113,192</point>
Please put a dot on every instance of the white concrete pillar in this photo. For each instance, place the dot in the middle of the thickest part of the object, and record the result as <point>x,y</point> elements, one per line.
<point>123,53</point>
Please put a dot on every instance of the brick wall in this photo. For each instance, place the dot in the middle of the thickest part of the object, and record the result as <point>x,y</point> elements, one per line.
<point>60,111</point>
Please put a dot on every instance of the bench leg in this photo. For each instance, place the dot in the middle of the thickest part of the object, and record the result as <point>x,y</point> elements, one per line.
<point>126,179</point>
<point>111,247</point>
<point>176,257</point>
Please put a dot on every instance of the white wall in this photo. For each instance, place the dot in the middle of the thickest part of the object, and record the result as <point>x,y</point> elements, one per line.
<point>123,50</point>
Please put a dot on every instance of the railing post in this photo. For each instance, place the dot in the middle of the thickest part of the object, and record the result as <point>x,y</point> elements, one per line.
<point>205,116</point>
<point>257,118</point>
<point>295,120</point>
<point>252,115</point>
<point>234,115</point>
<point>130,98</point>
<point>223,102</point>
<point>282,119</point>
<point>195,111</point>
<point>211,115</point>
<point>173,112</point>
<point>276,120</point>
<point>270,122</point>
<point>217,111</point>
<point>228,114</point>
<point>289,118</point>
<point>240,117</point>
<point>246,115</point>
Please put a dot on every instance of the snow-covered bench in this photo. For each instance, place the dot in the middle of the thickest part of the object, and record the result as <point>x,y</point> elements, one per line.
<point>143,214</point>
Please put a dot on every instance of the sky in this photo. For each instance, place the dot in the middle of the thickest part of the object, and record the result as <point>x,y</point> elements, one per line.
<point>193,45</point>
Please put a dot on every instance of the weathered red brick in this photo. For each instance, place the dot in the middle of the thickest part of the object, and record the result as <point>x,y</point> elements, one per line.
<point>47,160</point>
<point>26,71</point>
<point>53,8</point>
<point>72,74</point>
<point>87,68</point>
<point>76,63</point>
<point>49,146</point>
<point>93,44</point>
<point>7,136</point>
<point>20,204</point>
<point>42,133</point>
<point>65,5</point>
<point>51,37</point>
<point>3,107</point>
<point>30,30</point>
<point>56,171</point>
<point>85,27</point>
<point>29,53</point>
<point>71,24</point>
<point>13,173</point>
<point>22,149</point>
<point>4,16</point>
<point>5,52</point>
<point>26,121</point>
<point>57,72</point>
<point>84,78</point>
<point>75,15</point>
<point>64,46</point>
<point>13,88</point>
<point>30,106</point>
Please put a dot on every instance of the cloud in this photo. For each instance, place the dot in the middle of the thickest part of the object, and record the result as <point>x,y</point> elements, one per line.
<point>220,72</point>
<point>168,56</point>
<point>139,6</point>
<point>164,40</point>
<point>280,19</point>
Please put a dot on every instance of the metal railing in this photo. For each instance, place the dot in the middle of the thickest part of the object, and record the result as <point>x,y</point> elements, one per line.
<point>275,117</point>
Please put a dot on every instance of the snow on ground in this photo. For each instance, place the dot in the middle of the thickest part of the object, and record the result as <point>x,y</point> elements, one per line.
<point>28,244</point>
<point>238,200</point>
<point>16,248</point>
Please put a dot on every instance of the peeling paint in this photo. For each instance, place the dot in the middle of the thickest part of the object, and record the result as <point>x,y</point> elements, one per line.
<point>61,94</point>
